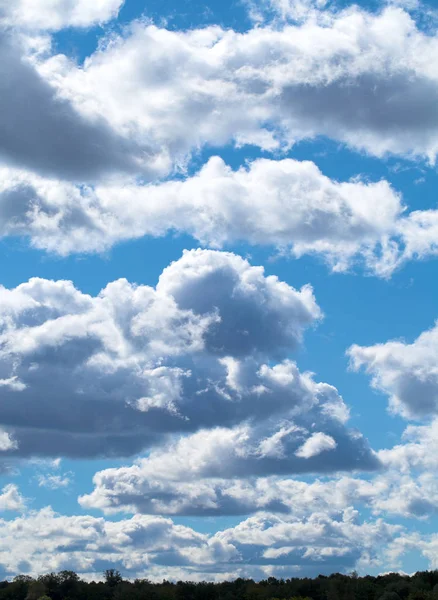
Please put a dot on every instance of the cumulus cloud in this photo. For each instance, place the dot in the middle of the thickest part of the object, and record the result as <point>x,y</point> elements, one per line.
<point>47,135</point>
<point>57,14</point>
<point>268,87</point>
<point>7,442</point>
<point>360,78</point>
<point>289,541</point>
<point>135,489</point>
<point>197,370</point>
<point>418,450</point>
<point>287,204</point>
<point>242,451</point>
<point>406,486</point>
<point>154,546</point>
<point>306,210</point>
<point>194,357</point>
<point>408,373</point>
<point>177,478</point>
<point>46,541</point>
<point>407,495</point>
<point>427,545</point>
<point>11,498</point>
<point>315,444</point>
<point>111,374</point>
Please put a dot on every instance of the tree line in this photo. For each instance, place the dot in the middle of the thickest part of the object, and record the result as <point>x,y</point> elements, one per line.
<point>67,585</point>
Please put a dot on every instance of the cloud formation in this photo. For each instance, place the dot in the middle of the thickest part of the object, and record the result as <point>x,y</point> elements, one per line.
<point>407,373</point>
<point>46,541</point>
<point>405,485</point>
<point>11,498</point>
<point>136,489</point>
<point>143,546</point>
<point>286,204</point>
<point>357,77</point>
<point>360,78</point>
<point>47,135</point>
<point>197,373</point>
<point>57,14</point>
<point>143,362</point>
<point>195,357</point>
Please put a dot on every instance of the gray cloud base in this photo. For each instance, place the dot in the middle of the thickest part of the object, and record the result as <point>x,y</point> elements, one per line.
<point>44,133</point>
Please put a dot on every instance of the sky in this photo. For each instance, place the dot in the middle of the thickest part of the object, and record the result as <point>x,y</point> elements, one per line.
<point>218,291</point>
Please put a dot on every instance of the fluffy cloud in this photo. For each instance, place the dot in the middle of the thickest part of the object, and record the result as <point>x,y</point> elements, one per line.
<point>46,541</point>
<point>286,203</point>
<point>47,135</point>
<point>11,498</point>
<point>419,450</point>
<point>195,356</point>
<point>305,542</point>
<point>155,547</point>
<point>180,90</point>
<point>197,370</point>
<point>427,545</point>
<point>57,14</point>
<point>272,447</point>
<point>408,373</point>
<point>114,373</point>
<point>315,444</point>
<point>135,489</point>
<point>7,442</point>
<point>364,79</point>
<point>198,476</point>
<point>407,496</point>
<point>175,479</point>
<point>412,493</point>
<point>210,86</point>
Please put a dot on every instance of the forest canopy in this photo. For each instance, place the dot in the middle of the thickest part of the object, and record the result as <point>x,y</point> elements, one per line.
<point>67,585</point>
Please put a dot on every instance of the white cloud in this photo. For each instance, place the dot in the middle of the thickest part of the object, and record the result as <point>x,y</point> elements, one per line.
<point>112,374</point>
<point>407,495</point>
<point>44,541</point>
<point>287,204</point>
<point>315,444</point>
<point>54,481</point>
<point>209,86</point>
<point>7,442</point>
<point>48,135</point>
<point>278,438</point>
<point>136,489</point>
<point>418,452</point>
<point>57,14</point>
<point>13,384</point>
<point>155,547</point>
<point>48,474</point>
<point>427,545</point>
<point>406,486</point>
<point>200,475</point>
<point>268,87</point>
<point>11,499</point>
<point>197,370</point>
<point>177,477</point>
<point>318,542</point>
<point>408,373</point>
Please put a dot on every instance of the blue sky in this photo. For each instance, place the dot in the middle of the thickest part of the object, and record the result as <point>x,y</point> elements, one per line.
<point>188,407</point>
